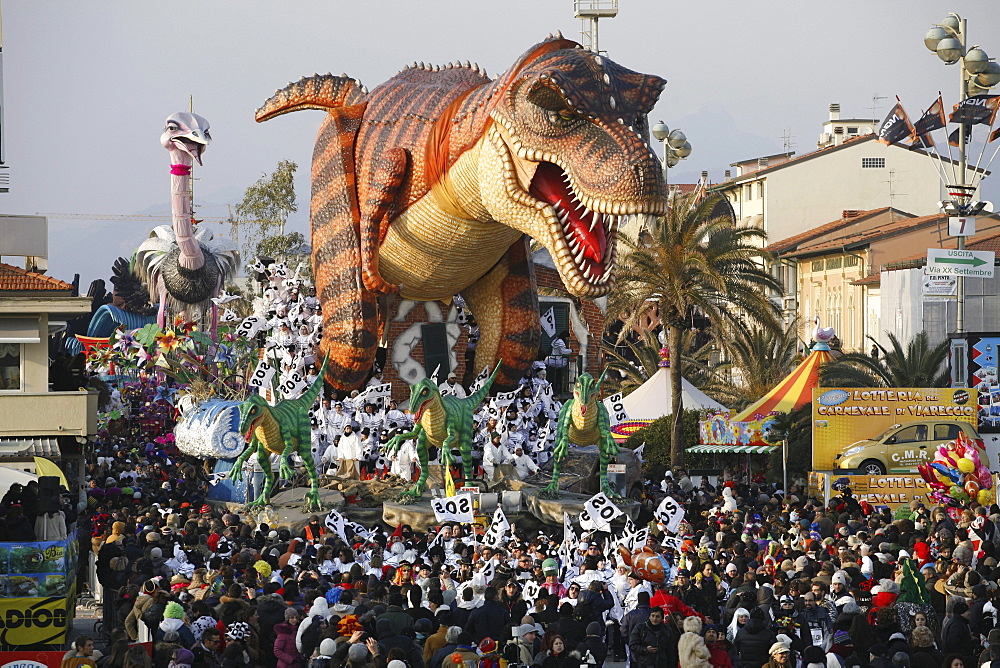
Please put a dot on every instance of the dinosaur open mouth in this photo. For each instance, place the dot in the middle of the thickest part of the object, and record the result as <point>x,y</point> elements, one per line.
<point>420,411</point>
<point>587,232</point>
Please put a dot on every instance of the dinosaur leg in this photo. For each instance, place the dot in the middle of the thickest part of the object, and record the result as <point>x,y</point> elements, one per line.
<point>313,502</point>
<point>505,303</point>
<point>264,498</point>
<point>349,311</point>
<point>608,449</point>
<point>386,181</point>
<point>551,491</point>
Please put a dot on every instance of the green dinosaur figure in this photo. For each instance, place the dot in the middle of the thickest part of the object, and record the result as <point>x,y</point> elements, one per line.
<point>282,429</point>
<point>583,420</point>
<point>443,422</point>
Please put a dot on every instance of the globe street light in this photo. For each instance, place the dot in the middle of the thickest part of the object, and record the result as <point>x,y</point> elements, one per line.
<point>676,147</point>
<point>977,73</point>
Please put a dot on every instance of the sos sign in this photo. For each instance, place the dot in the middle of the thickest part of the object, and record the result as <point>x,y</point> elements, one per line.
<point>456,508</point>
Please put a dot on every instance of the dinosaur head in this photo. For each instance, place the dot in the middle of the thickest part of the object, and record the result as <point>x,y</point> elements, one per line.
<point>571,137</point>
<point>585,392</point>
<point>187,134</point>
<point>422,395</point>
<point>251,411</point>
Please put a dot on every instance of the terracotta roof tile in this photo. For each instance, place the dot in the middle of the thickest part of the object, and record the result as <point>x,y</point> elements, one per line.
<point>15,279</point>
<point>793,241</point>
<point>867,236</point>
<point>870,279</point>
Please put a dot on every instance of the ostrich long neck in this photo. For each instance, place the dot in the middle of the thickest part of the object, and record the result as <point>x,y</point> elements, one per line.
<point>180,205</point>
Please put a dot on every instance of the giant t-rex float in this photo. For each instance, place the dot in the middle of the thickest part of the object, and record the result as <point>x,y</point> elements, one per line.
<point>429,184</point>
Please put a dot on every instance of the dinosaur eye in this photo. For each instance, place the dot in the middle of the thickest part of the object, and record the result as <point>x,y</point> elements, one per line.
<point>564,116</point>
<point>207,135</point>
<point>173,127</point>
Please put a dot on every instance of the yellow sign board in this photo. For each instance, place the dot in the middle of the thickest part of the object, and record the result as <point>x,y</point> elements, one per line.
<point>35,621</point>
<point>892,430</point>
<point>888,490</point>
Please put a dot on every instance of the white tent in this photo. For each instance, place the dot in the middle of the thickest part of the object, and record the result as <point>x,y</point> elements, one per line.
<point>653,399</point>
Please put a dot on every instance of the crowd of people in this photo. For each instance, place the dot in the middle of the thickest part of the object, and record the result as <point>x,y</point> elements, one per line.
<point>757,577</point>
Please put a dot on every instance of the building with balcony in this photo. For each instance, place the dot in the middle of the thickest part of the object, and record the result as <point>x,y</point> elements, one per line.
<point>35,421</point>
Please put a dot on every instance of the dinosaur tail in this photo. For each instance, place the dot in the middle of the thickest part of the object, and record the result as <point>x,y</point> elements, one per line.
<point>320,91</point>
<point>480,394</point>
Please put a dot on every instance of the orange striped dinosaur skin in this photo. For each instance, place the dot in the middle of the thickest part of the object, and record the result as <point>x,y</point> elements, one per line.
<point>429,185</point>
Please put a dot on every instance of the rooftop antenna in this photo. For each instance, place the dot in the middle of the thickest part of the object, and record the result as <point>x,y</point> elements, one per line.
<point>787,140</point>
<point>589,11</point>
<point>875,105</point>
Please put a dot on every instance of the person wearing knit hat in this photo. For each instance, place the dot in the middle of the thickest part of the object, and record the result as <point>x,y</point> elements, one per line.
<point>182,658</point>
<point>357,654</point>
<point>327,648</point>
<point>172,628</point>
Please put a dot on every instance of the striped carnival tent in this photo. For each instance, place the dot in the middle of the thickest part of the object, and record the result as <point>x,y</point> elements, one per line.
<point>744,432</point>
<point>792,392</point>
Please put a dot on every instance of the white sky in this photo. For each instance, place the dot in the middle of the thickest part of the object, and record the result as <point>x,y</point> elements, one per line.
<point>87,85</point>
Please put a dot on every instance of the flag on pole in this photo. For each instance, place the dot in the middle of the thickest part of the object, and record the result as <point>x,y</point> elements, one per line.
<point>932,119</point>
<point>549,322</point>
<point>994,136</point>
<point>483,376</point>
<point>975,110</point>
<point>953,138</point>
<point>896,127</point>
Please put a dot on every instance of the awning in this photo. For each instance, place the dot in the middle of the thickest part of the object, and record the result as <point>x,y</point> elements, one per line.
<point>29,447</point>
<point>750,449</point>
<point>19,330</point>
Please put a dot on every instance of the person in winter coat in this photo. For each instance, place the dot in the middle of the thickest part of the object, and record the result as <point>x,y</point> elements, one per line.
<point>653,644</point>
<point>780,656</point>
<point>594,644</point>
<point>173,624</point>
<point>718,648</point>
<point>635,618</point>
<point>320,608</point>
<point>284,641</point>
<point>237,654</point>
<point>754,641</point>
<point>956,638</point>
<point>922,651</point>
<point>555,655</point>
<point>491,619</point>
<point>571,629</point>
<point>270,612</point>
<point>142,602</point>
<point>691,649</point>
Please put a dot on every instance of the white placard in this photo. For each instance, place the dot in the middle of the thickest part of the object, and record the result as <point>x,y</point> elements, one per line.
<point>616,409</point>
<point>548,322</point>
<point>498,527</point>
<point>530,591</point>
<point>335,522</point>
<point>456,508</point>
<point>375,392</point>
<point>250,326</point>
<point>292,384</point>
<point>261,378</point>
<point>669,514</point>
<point>483,376</point>
<point>598,512</point>
<point>228,315</point>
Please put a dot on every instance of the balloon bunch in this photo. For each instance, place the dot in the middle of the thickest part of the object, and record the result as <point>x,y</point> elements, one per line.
<point>957,476</point>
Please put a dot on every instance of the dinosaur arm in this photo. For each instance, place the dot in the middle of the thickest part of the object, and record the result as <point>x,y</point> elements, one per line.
<point>236,472</point>
<point>386,182</point>
<point>393,445</point>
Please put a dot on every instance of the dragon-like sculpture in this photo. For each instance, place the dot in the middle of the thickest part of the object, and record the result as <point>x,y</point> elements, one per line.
<point>444,422</point>
<point>184,268</point>
<point>583,420</point>
<point>281,429</point>
<point>429,184</point>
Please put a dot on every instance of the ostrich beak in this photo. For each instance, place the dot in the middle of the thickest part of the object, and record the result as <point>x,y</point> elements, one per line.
<point>193,143</point>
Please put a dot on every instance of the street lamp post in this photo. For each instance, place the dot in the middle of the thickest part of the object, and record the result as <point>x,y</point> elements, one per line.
<point>977,73</point>
<point>676,147</point>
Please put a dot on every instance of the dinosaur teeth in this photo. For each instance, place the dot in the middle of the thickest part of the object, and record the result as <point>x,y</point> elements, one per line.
<point>578,258</point>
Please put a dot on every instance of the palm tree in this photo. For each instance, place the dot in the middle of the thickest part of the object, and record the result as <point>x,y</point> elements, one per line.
<point>645,360</point>
<point>757,359</point>
<point>693,260</point>
<point>918,365</point>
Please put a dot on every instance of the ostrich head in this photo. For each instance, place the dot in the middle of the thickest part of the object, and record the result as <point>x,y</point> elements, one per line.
<point>187,134</point>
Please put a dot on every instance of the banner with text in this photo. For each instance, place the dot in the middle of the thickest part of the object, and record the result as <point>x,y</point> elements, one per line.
<point>853,424</point>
